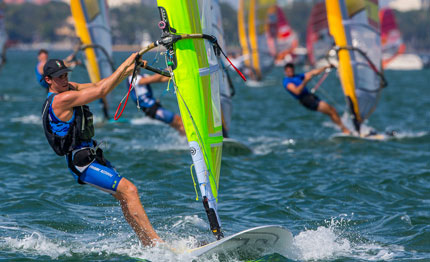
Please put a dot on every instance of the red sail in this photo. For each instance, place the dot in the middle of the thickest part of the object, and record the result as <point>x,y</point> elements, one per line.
<point>281,38</point>
<point>391,38</point>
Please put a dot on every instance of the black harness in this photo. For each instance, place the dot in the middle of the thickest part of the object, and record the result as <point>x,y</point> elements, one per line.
<point>83,158</point>
<point>152,110</point>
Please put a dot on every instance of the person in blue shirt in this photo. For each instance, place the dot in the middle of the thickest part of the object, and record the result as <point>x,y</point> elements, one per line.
<point>295,84</point>
<point>42,58</point>
<point>142,94</point>
<point>69,129</point>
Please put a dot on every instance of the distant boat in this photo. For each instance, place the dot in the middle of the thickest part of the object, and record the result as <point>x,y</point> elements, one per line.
<point>393,48</point>
<point>281,38</point>
<point>354,26</point>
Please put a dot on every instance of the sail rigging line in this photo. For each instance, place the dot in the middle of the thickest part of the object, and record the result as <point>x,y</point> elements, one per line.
<point>194,181</point>
<point>324,93</point>
<point>330,98</point>
<point>116,116</point>
<point>131,86</point>
<point>321,80</point>
<point>229,80</point>
<point>384,82</point>
<point>167,40</point>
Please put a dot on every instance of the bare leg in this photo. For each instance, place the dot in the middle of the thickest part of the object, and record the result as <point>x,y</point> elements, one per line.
<point>327,109</point>
<point>134,213</point>
<point>178,125</point>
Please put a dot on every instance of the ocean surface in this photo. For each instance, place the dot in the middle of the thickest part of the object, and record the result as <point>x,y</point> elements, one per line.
<point>343,199</point>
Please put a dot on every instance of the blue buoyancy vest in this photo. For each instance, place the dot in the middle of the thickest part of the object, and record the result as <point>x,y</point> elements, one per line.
<point>64,137</point>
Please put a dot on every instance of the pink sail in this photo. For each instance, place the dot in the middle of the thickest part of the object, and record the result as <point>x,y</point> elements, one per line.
<point>391,38</point>
<point>281,38</point>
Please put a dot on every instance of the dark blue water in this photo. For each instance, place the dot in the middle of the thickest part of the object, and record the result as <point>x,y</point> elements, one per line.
<point>343,200</point>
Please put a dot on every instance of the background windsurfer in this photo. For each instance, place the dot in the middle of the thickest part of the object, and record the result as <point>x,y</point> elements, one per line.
<point>296,86</point>
<point>43,56</point>
<point>142,94</point>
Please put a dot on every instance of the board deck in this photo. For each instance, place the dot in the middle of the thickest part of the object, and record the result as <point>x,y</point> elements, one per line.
<point>373,137</point>
<point>250,243</point>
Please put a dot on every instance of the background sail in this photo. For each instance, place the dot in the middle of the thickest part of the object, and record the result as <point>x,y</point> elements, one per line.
<point>252,20</point>
<point>318,39</point>
<point>196,76</point>
<point>391,38</point>
<point>354,24</point>
<point>3,35</point>
<point>92,27</point>
<point>213,26</point>
<point>282,40</point>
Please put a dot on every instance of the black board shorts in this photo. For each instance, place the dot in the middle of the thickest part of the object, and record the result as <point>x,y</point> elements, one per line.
<point>310,101</point>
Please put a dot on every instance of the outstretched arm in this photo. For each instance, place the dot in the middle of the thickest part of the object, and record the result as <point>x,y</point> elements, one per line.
<point>153,79</point>
<point>316,71</point>
<point>86,93</point>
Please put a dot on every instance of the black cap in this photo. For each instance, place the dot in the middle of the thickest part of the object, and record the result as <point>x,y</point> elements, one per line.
<point>55,68</point>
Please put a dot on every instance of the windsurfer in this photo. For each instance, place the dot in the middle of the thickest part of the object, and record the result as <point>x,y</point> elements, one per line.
<point>42,58</point>
<point>295,84</point>
<point>68,125</point>
<point>142,94</point>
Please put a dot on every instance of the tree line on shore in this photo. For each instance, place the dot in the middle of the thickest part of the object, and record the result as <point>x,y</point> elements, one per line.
<point>29,23</point>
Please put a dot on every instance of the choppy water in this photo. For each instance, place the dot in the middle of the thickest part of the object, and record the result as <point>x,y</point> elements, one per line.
<point>343,200</point>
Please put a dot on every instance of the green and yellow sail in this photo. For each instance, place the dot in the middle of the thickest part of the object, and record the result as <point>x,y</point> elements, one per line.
<point>196,76</point>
